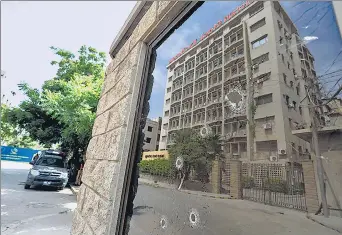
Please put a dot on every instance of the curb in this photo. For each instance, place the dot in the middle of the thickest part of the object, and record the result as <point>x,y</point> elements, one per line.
<point>196,193</point>
<point>73,190</point>
<point>323,224</point>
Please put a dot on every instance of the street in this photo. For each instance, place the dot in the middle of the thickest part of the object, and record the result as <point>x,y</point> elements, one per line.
<point>33,211</point>
<point>214,216</point>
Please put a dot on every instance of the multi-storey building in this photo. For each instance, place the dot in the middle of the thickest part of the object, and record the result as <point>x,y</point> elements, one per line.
<point>254,52</point>
<point>152,134</point>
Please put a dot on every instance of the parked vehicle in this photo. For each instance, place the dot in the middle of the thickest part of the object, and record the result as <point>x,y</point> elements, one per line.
<point>48,170</point>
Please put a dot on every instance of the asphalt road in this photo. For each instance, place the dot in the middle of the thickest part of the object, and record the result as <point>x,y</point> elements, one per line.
<point>214,216</point>
<point>33,211</point>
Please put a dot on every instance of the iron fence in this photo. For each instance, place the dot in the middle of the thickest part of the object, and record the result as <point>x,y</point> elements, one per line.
<point>274,184</point>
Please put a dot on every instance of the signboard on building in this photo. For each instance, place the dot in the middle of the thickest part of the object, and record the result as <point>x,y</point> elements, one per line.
<point>17,154</point>
<point>151,155</point>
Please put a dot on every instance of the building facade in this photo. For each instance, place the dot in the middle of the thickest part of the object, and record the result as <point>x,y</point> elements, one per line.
<point>254,52</point>
<point>152,134</point>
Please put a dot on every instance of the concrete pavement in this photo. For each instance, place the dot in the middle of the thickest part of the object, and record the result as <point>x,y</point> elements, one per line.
<point>167,211</point>
<point>34,211</point>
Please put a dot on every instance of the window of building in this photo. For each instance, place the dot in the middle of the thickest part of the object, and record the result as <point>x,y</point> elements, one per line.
<point>285,78</point>
<point>283,58</point>
<point>158,137</point>
<point>148,140</point>
<point>300,150</point>
<point>288,65</point>
<point>291,84</point>
<point>259,42</point>
<point>266,146</point>
<point>290,123</point>
<point>293,148</point>
<point>297,89</point>
<point>168,90</point>
<point>167,113</point>
<point>287,100</point>
<point>170,79</point>
<point>300,110</point>
<point>291,55</point>
<point>260,59</point>
<point>280,25</point>
<point>294,103</point>
<point>294,72</point>
<point>167,101</point>
<point>280,40</point>
<point>264,99</point>
<point>163,138</point>
<point>149,128</point>
<point>258,24</point>
<point>256,9</point>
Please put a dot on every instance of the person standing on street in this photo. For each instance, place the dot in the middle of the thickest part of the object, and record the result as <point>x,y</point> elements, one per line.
<point>79,174</point>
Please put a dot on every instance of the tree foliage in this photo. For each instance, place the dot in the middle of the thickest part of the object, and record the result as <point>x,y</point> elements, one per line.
<point>197,152</point>
<point>12,134</point>
<point>63,110</point>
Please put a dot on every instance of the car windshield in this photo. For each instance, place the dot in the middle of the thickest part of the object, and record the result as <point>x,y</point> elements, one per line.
<point>50,161</point>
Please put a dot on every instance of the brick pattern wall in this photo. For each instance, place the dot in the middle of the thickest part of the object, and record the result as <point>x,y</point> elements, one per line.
<point>311,195</point>
<point>235,179</point>
<point>98,201</point>
<point>216,177</point>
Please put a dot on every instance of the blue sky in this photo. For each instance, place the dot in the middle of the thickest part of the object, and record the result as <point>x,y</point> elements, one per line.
<point>28,29</point>
<point>318,20</point>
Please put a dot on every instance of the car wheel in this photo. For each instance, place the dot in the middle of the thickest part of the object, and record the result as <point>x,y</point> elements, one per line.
<point>27,186</point>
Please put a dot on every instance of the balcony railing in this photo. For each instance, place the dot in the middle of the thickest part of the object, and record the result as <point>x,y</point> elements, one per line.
<point>214,100</point>
<point>214,118</point>
<point>235,114</point>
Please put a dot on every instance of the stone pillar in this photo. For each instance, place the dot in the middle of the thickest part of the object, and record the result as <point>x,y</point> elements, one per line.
<point>311,195</point>
<point>235,179</point>
<point>216,177</point>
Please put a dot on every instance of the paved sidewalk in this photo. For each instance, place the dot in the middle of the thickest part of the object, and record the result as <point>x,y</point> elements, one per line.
<point>171,186</point>
<point>332,222</point>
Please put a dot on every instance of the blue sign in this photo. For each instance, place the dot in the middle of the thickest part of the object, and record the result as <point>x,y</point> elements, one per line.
<point>17,154</point>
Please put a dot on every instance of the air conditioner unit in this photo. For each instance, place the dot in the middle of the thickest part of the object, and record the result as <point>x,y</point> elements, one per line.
<point>281,151</point>
<point>256,66</point>
<point>273,158</point>
<point>267,126</point>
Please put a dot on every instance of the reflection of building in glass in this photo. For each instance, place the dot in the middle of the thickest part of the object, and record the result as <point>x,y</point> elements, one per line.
<point>207,81</point>
<point>152,134</point>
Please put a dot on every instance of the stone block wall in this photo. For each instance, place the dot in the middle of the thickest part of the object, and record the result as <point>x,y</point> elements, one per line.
<point>107,158</point>
<point>311,196</point>
<point>235,179</point>
<point>216,177</point>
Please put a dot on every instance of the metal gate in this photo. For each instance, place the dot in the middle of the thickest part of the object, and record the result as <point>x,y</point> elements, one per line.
<point>274,184</point>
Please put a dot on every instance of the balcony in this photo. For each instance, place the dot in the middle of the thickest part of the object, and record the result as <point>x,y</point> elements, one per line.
<point>214,100</point>
<point>229,115</point>
<point>199,106</point>
<point>214,118</point>
<point>198,122</point>
<point>233,56</point>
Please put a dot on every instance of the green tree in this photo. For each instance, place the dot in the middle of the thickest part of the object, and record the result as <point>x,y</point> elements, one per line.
<point>75,107</point>
<point>197,153</point>
<point>63,111</point>
<point>11,134</point>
